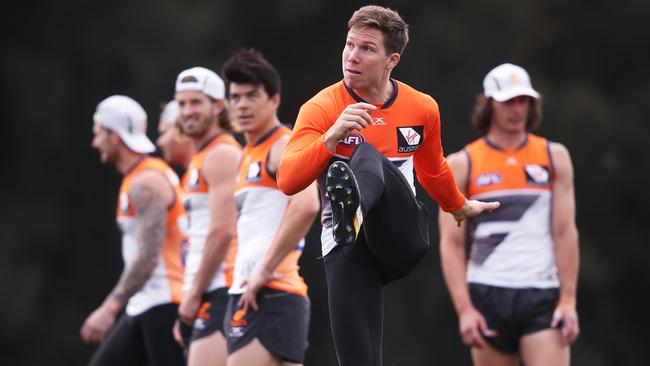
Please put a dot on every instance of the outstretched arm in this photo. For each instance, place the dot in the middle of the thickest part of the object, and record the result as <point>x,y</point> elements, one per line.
<point>565,239</point>
<point>438,180</point>
<point>473,208</point>
<point>150,194</point>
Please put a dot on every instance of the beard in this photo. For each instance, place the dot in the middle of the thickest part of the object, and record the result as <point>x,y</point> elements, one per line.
<point>108,157</point>
<point>197,127</point>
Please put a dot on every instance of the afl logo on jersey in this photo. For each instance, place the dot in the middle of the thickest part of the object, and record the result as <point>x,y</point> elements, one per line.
<point>409,138</point>
<point>537,174</point>
<point>488,179</point>
<point>352,140</point>
<point>254,173</point>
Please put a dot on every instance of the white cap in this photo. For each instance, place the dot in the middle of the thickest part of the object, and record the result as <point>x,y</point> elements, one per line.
<point>125,116</point>
<point>507,81</point>
<point>203,80</point>
<point>170,113</point>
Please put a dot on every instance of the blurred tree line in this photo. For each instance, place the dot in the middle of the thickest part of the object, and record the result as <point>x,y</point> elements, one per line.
<point>60,246</point>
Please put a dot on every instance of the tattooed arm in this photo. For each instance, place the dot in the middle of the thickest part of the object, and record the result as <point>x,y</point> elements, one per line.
<point>151,212</point>
<point>151,194</point>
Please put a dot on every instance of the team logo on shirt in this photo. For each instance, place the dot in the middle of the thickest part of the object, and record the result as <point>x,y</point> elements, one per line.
<point>537,174</point>
<point>409,138</point>
<point>488,179</point>
<point>352,140</point>
<point>254,173</point>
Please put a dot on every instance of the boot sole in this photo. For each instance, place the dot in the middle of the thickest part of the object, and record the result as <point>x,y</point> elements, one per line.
<point>343,195</point>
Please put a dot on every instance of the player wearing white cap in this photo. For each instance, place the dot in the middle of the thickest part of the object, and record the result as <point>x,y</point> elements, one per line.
<point>150,215</point>
<point>209,187</point>
<point>516,296</point>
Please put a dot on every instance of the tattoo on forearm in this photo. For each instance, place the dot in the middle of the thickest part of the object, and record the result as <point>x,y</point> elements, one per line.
<point>151,214</point>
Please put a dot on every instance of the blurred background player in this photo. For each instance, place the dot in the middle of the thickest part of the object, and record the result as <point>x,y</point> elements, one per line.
<point>267,321</point>
<point>149,214</point>
<point>209,187</point>
<point>516,296</point>
<point>374,229</point>
<point>175,147</point>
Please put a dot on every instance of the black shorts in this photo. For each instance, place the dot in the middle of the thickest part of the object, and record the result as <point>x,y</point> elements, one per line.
<point>144,339</point>
<point>281,324</point>
<point>210,316</point>
<point>513,313</point>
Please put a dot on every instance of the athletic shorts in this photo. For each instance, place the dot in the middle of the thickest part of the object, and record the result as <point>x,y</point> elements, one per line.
<point>513,313</point>
<point>144,339</point>
<point>210,316</point>
<point>281,324</point>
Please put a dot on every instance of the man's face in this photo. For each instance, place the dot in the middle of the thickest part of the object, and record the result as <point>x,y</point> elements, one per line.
<point>510,116</point>
<point>106,143</point>
<point>197,112</point>
<point>252,106</point>
<point>176,148</point>
<point>365,61</point>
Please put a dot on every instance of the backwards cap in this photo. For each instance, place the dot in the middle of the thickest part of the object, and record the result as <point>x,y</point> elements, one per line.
<point>203,80</point>
<point>128,119</point>
<point>507,81</point>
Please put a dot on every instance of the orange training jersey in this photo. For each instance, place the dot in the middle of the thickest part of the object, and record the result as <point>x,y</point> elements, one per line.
<point>196,204</point>
<point>512,246</point>
<point>262,207</point>
<point>406,129</point>
<point>165,283</point>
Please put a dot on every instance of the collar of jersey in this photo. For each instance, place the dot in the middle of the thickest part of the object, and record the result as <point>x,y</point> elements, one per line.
<point>388,103</point>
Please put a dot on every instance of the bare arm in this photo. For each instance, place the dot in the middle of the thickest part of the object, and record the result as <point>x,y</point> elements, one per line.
<point>452,242</point>
<point>565,240</point>
<point>454,262</point>
<point>220,171</point>
<point>301,210</point>
<point>150,194</point>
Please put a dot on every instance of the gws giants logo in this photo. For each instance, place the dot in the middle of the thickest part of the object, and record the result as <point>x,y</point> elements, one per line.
<point>537,175</point>
<point>238,324</point>
<point>254,173</point>
<point>352,140</point>
<point>409,138</point>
